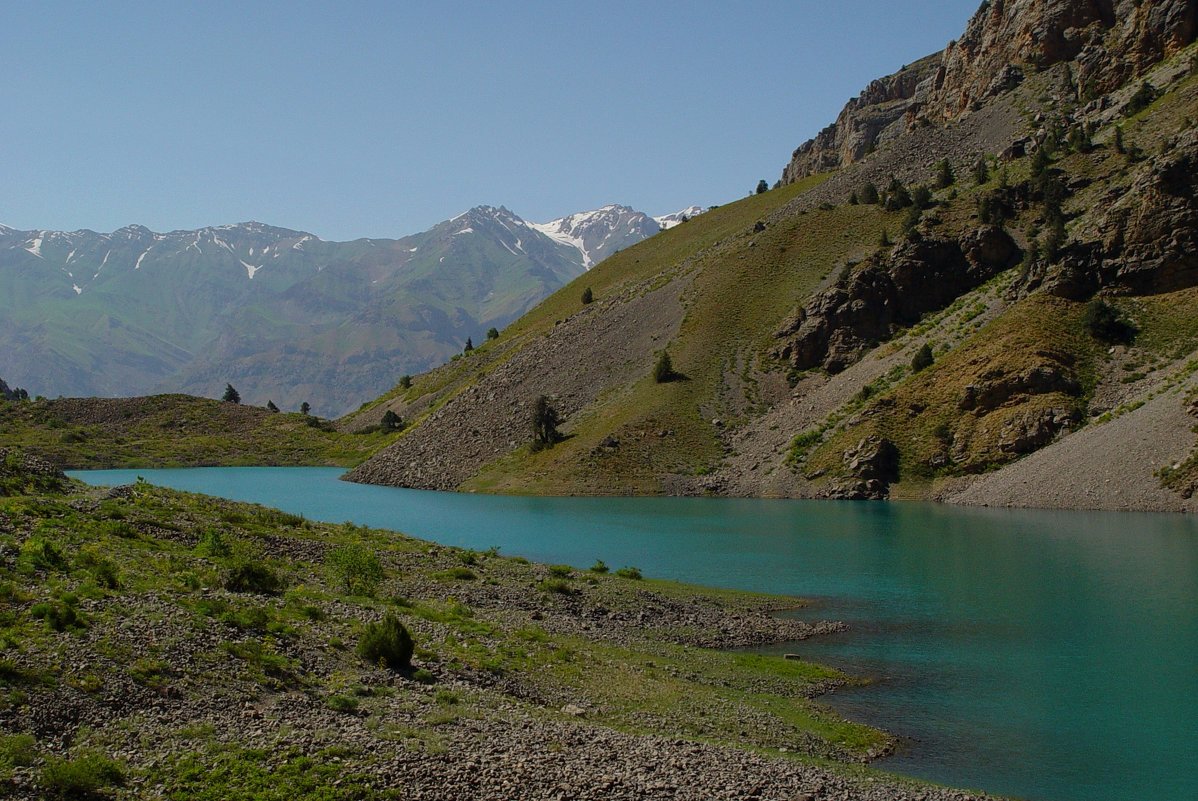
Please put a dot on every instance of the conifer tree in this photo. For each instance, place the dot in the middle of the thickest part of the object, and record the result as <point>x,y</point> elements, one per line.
<point>944,174</point>
<point>545,421</point>
<point>231,395</point>
<point>981,171</point>
<point>663,371</point>
<point>922,359</point>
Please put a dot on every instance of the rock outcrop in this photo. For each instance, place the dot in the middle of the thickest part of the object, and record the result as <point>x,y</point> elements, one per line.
<point>865,306</point>
<point>873,466</point>
<point>998,387</point>
<point>879,114</point>
<point>1147,241</point>
<point>1106,42</point>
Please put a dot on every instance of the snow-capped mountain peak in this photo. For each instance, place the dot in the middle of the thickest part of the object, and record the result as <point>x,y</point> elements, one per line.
<point>598,233</point>
<point>670,220</point>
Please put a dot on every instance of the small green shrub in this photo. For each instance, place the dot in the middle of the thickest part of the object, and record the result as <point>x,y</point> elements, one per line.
<point>212,544</point>
<point>277,517</point>
<point>250,618</point>
<point>1141,100</point>
<point>630,573</point>
<point>599,567</point>
<point>16,751</point>
<point>386,643</point>
<point>558,586</point>
<point>59,616</point>
<point>343,703</point>
<point>561,571</point>
<point>38,553</point>
<point>1105,324</point>
<point>253,577</point>
<point>117,528</point>
<point>356,569</point>
<point>150,672</point>
<point>88,777</point>
<point>459,573</point>
<point>922,359</point>
<point>424,676</point>
<point>103,571</point>
<point>260,656</point>
<point>391,421</point>
<point>312,612</point>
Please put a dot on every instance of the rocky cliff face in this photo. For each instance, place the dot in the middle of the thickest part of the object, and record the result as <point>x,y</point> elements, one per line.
<point>1145,242</point>
<point>864,307</point>
<point>1106,42</point>
<point>880,114</point>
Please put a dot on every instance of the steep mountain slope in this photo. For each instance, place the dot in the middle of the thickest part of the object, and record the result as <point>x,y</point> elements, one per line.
<point>1036,235</point>
<point>282,314</point>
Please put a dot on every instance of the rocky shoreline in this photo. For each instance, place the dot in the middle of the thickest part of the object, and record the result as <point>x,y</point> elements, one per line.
<point>531,681</point>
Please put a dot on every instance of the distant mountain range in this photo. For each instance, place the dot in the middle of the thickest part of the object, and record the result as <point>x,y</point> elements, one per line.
<point>282,314</point>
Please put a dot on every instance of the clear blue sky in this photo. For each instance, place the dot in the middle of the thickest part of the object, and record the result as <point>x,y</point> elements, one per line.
<point>381,119</point>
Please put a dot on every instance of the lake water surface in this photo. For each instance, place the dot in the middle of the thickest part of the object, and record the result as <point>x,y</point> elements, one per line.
<point>1046,655</point>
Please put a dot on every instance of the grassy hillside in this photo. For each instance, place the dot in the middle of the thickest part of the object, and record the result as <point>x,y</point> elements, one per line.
<point>747,278</point>
<point>155,639</point>
<point>1016,362</point>
<point>176,431</point>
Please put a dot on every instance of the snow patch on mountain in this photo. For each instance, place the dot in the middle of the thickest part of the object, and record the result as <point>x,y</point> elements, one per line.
<point>559,232</point>
<point>667,221</point>
<point>35,247</point>
<point>598,233</point>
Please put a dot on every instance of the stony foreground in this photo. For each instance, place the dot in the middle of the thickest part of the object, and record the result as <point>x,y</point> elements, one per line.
<point>162,645</point>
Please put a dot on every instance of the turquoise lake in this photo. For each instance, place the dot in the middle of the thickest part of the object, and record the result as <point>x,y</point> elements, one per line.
<point>1045,655</point>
